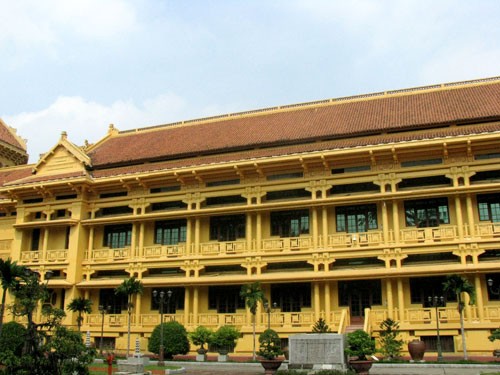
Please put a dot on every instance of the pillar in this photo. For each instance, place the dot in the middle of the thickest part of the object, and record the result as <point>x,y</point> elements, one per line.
<point>390,303</point>
<point>401,300</point>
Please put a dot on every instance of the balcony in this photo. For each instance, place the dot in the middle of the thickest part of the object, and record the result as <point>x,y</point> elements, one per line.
<point>488,230</point>
<point>287,244</point>
<point>164,251</point>
<point>108,255</point>
<point>342,240</point>
<point>230,247</point>
<point>433,234</point>
<point>51,256</point>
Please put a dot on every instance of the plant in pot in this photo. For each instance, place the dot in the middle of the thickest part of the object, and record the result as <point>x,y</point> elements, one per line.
<point>224,340</point>
<point>390,343</point>
<point>201,336</point>
<point>269,350</point>
<point>359,345</point>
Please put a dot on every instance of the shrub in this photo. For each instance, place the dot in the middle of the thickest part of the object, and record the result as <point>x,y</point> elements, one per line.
<point>495,335</point>
<point>359,344</point>
<point>200,336</point>
<point>12,338</point>
<point>321,327</point>
<point>390,345</point>
<point>270,344</point>
<point>175,340</point>
<point>225,338</point>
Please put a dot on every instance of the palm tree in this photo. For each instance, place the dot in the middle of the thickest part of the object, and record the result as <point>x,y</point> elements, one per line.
<point>457,285</point>
<point>80,305</point>
<point>10,274</point>
<point>252,294</point>
<point>129,287</point>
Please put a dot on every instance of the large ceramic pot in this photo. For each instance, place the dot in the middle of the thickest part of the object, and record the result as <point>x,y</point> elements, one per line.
<point>270,365</point>
<point>361,367</point>
<point>417,350</point>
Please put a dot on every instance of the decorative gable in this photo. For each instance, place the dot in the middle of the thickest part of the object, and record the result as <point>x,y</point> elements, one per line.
<point>63,158</point>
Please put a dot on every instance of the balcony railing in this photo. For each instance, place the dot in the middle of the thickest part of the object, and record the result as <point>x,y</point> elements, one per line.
<point>287,244</point>
<point>434,234</point>
<point>164,251</point>
<point>152,320</point>
<point>107,254</point>
<point>372,238</point>
<point>488,230</point>
<point>216,248</point>
<point>110,320</point>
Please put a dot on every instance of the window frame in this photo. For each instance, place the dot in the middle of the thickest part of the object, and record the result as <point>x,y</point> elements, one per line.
<point>117,230</point>
<point>366,210</point>
<point>170,232</point>
<point>426,206</point>
<point>227,228</point>
<point>286,224</point>
<point>488,200</point>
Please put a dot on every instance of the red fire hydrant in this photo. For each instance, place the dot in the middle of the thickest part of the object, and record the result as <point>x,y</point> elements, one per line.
<point>109,359</point>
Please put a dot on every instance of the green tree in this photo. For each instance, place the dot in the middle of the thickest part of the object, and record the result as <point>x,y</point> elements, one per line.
<point>253,295</point>
<point>321,327</point>
<point>225,338</point>
<point>200,336</point>
<point>80,305</point>
<point>175,339</point>
<point>129,288</point>
<point>12,338</point>
<point>269,344</point>
<point>390,344</point>
<point>458,285</point>
<point>10,275</point>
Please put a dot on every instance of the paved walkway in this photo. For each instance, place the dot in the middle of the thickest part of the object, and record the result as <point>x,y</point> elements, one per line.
<point>211,368</point>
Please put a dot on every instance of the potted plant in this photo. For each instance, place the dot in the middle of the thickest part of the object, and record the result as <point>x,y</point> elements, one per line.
<point>269,350</point>
<point>201,336</point>
<point>390,343</point>
<point>224,340</point>
<point>359,345</point>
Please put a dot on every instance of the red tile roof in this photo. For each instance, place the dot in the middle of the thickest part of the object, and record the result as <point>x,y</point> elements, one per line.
<point>9,138</point>
<point>334,119</point>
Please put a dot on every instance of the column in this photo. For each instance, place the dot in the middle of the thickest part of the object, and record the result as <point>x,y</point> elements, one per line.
<point>395,220</point>
<point>141,240</point>
<point>197,235</point>
<point>249,234</point>
<point>479,298</point>
<point>133,241</point>
<point>317,307</point>
<point>385,223</point>
<point>195,305</point>
<point>401,300</point>
<point>189,236</point>
<point>470,215</point>
<point>315,227</point>
<point>390,303</point>
<point>138,304</point>
<point>460,222</point>
<point>45,244</point>
<point>324,222</point>
<point>187,323</point>
<point>259,230</point>
<point>328,306</point>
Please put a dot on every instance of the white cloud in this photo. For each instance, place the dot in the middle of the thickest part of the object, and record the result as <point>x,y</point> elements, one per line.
<point>87,120</point>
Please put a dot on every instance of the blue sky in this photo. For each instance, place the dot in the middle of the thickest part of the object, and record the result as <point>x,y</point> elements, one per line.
<point>79,65</point>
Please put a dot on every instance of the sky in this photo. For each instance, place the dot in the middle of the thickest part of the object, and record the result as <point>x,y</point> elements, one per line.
<point>80,65</point>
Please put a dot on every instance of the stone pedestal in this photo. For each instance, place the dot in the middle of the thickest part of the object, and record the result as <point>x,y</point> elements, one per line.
<point>317,351</point>
<point>131,365</point>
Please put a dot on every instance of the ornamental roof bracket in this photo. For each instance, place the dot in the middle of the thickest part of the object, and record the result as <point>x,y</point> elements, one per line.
<point>259,170</point>
<point>372,158</point>
<point>304,165</point>
<point>394,155</point>
<point>445,150</point>
<point>239,172</point>
<point>197,176</point>
<point>325,162</point>
<point>469,148</point>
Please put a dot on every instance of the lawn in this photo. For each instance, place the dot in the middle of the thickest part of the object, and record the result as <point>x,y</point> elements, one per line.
<point>102,368</point>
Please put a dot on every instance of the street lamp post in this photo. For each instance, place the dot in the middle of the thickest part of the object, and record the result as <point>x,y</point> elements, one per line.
<point>269,311</point>
<point>103,310</point>
<point>160,299</point>
<point>436,302</point>
<point>490,287</point>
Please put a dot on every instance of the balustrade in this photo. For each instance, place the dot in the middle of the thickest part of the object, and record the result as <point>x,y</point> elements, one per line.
<point>287,244</point>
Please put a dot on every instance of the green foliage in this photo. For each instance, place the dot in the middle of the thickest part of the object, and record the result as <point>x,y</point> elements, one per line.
<point>321,327</point>
<point>390,345</point>
<point>200,336</point>
<point>10,276</point>
<point>457,285</point>
<point>129,287</point>
<point>359,344</point>
<point>253,295</point>
<point>495,335</point>
<point>80,305</point>
<point>225,338</point>
<point>47,348</point>
<point>12,338</point>
<point>270,344</point>
<point>175,339</point>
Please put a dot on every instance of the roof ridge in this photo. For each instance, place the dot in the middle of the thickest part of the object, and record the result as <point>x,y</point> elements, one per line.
<point>342,99</point>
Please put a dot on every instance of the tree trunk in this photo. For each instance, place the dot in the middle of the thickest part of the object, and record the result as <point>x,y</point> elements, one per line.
<point>2,309</point>
<point>462,330</point>
<point>253,325</point>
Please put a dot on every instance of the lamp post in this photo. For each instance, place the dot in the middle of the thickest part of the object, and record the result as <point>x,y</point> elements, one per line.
<point>269,311</point>
<point>103,310</point>
<point>160,299</point>
<point>436,302</point>
<point>490,287</point>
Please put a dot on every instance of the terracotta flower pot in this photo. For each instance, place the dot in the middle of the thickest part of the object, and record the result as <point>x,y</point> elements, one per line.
<point>270,365</point>
<point>361,367</point>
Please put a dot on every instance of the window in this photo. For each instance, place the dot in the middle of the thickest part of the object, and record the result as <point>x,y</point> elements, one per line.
<point>284,176</point>
<point>289,223</point>
<point>117,236</point>
<point>164,189</point>
<point>113,194</point>
<point>288,194</point>
<point>170,232</point>
<point>227,228</point>
<point>359,168</point>
<point>35,239</point>
<point>172,205</point>
<point>361,187</point>
<point>117,302</point>
<point>227,199</point>
<point>427,213</point>
<point>421,182</point>
<point>234,181</point>
<point>488,206</point>
<point>417,163</point>
<point>421,288</point>
<point>353,219</point>
<point>291,297</point>
<point>494,290</point>
<point>225,299</point>
<point>118,210</point>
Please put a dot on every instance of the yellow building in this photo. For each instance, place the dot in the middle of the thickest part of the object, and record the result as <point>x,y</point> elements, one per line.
<point>351,209</point>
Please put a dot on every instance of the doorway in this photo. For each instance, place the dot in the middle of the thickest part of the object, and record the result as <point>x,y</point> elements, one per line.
<point>358,295</point>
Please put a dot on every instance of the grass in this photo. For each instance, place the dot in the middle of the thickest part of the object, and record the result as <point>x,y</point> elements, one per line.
<point>102,368</point>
